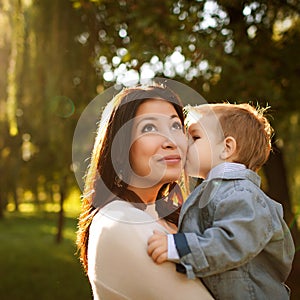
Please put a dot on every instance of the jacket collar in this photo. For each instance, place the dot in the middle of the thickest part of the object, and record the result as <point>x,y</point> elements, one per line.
<point>231,171</point>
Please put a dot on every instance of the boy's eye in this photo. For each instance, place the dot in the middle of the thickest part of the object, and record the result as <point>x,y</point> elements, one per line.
<point>149,128</point>
<point>177,126</point>
<point>196,137</point>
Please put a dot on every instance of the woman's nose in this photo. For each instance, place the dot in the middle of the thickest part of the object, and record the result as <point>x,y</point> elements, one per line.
<point>169,143</point>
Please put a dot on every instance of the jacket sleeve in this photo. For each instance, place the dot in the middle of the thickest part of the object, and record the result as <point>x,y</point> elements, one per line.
<point>123,267</point>
<point>240,229</point>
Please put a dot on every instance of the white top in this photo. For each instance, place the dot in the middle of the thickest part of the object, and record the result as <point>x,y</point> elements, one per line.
<point>119,266</point>
<point>223,168</point>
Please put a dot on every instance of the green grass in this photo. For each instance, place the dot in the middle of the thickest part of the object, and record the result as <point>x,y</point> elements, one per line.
<point>33,266</point>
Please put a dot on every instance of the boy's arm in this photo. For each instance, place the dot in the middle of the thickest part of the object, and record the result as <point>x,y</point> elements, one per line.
<point>241,228</point>
<point>161,247</point>
<point>158,247</point>
<point>172,251</point>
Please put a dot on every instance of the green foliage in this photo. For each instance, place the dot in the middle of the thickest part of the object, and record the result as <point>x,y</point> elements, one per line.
<point>238,51</point>
<point>52,87</point>
<point>229,50</point>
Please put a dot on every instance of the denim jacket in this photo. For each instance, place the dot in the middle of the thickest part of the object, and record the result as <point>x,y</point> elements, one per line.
<point>233,236</point>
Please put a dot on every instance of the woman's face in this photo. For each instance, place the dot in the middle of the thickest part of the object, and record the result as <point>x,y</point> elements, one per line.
<point>159,145</point>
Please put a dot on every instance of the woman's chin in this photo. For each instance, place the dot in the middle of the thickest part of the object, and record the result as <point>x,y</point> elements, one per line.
<point>171,176</point>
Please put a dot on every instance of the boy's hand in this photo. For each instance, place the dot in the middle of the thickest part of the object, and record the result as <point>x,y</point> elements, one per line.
<point>158,247</point>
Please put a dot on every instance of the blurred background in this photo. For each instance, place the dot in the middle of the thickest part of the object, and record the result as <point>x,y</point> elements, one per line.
<point>57,55</point>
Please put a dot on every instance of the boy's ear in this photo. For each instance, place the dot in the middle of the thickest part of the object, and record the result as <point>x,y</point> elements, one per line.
<point>229,148</point>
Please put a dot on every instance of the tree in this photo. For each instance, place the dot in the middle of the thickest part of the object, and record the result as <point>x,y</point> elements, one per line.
<point>226,50</point>
<point>53,80</point>
<point>62,86</point>
<point>220,46</point>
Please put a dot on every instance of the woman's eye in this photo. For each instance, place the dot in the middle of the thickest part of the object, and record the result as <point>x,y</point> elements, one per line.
<point>196,137</point>
<point>149,128</point>
<point>177,126</point>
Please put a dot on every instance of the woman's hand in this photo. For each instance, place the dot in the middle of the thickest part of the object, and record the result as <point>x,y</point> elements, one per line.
<point>158,247</point>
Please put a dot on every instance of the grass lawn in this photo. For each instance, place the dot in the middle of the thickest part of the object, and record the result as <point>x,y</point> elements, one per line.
<point>33,266</point>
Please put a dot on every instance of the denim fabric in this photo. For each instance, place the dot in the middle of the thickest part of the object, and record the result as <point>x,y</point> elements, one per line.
<point>239,243</point>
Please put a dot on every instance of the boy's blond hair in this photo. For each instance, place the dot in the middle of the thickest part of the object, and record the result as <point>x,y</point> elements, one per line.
<point>247,125</point>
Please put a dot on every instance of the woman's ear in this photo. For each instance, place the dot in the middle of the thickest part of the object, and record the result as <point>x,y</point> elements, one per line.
<point>229,148</point>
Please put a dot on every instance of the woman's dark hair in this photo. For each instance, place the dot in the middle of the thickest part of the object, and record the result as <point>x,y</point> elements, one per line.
<point>102,182</point>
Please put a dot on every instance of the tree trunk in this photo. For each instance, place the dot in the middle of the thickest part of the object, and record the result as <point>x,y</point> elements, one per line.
<point>59,235</point>
<point>60,225</point>
<point>278,190</point>
<point>1,207</point>
<point>15,198</point>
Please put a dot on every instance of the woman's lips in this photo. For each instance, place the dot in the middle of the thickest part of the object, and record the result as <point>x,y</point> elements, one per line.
<point>171,159</point>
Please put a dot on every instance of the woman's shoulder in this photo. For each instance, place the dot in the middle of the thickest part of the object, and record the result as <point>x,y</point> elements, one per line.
<point>123,221</point>
<point>118,222</point>
<point>122,211</point>
<point>118,245</point>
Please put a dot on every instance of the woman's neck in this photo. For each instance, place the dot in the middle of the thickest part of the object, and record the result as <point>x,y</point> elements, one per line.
<point>147,195</point>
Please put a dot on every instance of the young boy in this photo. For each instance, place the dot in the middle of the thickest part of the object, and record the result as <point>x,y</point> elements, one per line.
<point>230,234</point>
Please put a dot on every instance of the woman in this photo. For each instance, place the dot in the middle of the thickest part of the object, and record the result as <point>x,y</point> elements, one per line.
<point>131,190</point>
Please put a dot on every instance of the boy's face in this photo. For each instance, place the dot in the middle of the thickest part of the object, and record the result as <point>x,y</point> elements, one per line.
<point>205,146</point>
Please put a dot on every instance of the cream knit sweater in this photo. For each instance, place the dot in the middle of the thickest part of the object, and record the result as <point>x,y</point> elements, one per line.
<point>118,263</point>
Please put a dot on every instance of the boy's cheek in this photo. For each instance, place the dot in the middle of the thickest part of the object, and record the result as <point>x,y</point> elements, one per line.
<point>193,155</point>
<point>192,162</point>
